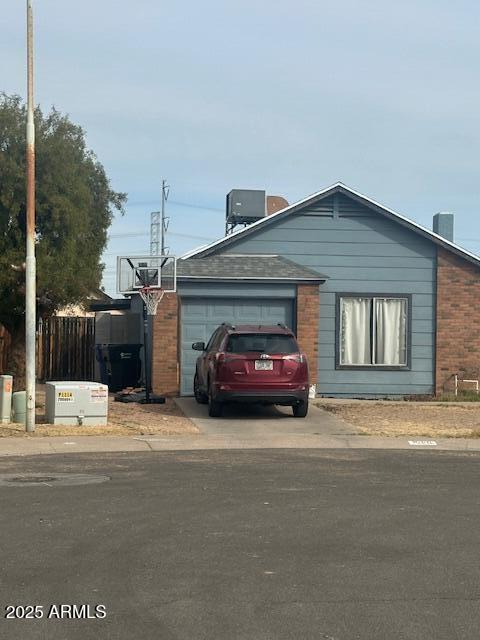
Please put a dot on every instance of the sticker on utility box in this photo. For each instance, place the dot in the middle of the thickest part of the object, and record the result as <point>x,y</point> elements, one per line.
<point>65,396</point>
<point>98,395</point>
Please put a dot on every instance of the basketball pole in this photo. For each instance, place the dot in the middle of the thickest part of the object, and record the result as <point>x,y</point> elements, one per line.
<point>30,266</point>
<point>147,352</point>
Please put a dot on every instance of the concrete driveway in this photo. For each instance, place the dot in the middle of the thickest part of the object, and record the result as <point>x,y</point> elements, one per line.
<point>266,425</point>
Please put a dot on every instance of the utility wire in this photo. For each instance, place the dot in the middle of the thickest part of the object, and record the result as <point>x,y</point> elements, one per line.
<point>190,205</point>
<point>141,234</point>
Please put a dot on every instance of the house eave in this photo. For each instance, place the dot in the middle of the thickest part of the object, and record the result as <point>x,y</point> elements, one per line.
<point>230,279</point>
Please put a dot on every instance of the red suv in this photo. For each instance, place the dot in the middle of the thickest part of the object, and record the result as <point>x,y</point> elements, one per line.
<point>250,363</point>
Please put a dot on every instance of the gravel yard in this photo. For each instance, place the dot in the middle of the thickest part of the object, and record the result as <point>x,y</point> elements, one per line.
<point>123,419</point>
<point>401,418</point>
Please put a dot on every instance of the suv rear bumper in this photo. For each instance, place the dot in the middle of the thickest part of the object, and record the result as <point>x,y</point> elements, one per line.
<point>284,397</point>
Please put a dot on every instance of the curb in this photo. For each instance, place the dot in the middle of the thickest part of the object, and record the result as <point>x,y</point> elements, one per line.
<point>137,444</point>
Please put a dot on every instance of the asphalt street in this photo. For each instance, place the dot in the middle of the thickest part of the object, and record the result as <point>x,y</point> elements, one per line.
<point>244,545</point>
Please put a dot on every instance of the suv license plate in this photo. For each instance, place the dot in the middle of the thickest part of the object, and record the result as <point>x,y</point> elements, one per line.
<point>263,365</point>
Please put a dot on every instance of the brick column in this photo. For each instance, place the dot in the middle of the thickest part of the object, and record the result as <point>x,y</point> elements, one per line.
<point>307,325</point>
<point>458,325</point>
<point>165,358</point>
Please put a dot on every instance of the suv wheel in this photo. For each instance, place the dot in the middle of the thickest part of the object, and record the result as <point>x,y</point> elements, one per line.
<point>214,407</point>
<point>300,410</point>
<point>200,397</point>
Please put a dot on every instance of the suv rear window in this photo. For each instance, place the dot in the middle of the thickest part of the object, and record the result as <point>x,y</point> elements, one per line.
<point>261,342</point>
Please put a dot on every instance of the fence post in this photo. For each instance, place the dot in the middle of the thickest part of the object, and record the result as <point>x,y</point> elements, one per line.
<point>39,349</point>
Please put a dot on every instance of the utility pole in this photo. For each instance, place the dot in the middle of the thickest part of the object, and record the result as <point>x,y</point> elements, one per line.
<point>164,222</point>
<point>30,268</point>
<point>159,226</point>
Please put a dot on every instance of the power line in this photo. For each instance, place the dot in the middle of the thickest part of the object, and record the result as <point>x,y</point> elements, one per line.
<point>128,234</point>
<point>141,234</point>
<point>196,206</point>
<point>115,253</point>
<point>190,205</point>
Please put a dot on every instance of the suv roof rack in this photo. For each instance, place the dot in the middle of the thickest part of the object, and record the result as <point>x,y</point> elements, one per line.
<point>228,324</point>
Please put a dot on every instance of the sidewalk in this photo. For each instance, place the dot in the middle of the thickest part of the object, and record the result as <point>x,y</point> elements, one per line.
<point>242,427</point>
<point>86,444</point>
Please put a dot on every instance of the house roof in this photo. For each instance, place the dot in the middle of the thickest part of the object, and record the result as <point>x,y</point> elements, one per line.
<point>119,304</point>
<point>98,295</point>
<point>235,267</point>
<point>338,187</point>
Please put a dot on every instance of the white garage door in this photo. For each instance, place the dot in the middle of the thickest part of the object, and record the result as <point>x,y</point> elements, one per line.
<point>200,318</point>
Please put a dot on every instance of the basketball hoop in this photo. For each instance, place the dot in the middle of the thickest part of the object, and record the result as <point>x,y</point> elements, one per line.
<point>151,277</point>
<point>152,297</point>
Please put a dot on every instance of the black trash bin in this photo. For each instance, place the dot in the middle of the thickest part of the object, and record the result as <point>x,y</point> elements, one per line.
<point>102,359</point>
<point>120,365</point>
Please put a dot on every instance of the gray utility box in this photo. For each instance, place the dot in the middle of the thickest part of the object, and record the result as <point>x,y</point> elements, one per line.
<point>76,403</point>
<point>245,205</point>
<point>6,384</point>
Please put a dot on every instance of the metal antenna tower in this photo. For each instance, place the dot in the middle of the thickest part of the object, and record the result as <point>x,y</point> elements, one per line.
<point>155,233</point>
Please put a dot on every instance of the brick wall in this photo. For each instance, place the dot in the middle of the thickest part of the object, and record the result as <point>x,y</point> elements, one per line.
<point>307,325</point>
<point>458,326</point>
<point>165,358</point>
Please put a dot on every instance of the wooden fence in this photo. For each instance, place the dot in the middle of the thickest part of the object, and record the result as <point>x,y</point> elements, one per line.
<point>5,342</point>
<point>66,349</point>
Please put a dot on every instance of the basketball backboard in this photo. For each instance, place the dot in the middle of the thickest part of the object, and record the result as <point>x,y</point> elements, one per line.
<point>137,272</point>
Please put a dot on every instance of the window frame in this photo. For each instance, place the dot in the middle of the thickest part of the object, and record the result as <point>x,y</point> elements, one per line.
<point>374,367</point>
<point>250,333</point>
<point>211,344</point>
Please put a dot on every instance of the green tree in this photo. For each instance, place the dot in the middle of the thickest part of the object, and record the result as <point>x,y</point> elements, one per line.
<point>74,208</point>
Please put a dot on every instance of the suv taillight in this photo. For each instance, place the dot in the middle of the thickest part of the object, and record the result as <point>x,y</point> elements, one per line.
<point>297,357</point>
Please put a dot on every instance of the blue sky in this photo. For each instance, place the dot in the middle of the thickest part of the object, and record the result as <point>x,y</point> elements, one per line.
<point>282,95</point>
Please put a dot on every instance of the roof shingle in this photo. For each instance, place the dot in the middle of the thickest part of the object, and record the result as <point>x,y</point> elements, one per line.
<point>245,267</point>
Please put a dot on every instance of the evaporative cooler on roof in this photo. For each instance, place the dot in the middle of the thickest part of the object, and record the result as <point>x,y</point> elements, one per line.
<point>244,206</point>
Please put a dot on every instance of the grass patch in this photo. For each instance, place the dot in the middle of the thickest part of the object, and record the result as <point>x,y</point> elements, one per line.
<point>464,396</point>
<point>406,419</point>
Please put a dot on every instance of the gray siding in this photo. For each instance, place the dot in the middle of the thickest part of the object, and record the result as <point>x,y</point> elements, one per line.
<point>360,251</point>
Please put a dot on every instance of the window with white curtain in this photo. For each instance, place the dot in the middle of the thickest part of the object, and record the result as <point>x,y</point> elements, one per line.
<point>373,331</point>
